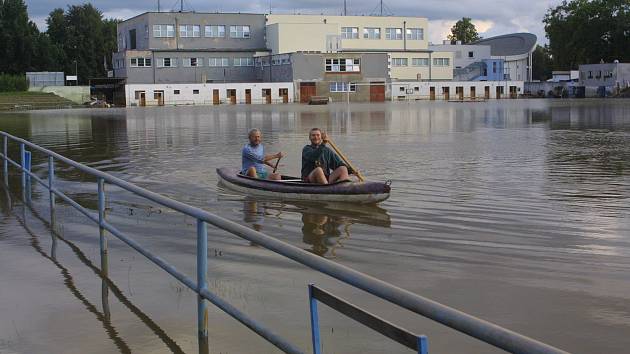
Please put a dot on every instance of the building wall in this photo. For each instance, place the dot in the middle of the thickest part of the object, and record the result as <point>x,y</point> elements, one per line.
<point>411,72</point>
<point>420,90</point>
<point>607,74</point>
<point>313,29</point>
<point>461,58</point>
<point>295,37</point>
<point>205,95</point>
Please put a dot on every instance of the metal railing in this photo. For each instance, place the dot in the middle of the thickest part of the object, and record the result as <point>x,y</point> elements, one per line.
<point>485,331</point>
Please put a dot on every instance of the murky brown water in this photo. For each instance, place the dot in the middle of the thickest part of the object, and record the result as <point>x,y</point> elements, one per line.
<point>514,211</point>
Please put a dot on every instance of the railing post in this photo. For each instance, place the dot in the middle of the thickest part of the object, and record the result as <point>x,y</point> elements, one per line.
<point>51,195</point>
<point>5,162</point>
<point>314,321</point>
<point>202,273</point>
<point>103,246</point>
<point>23,166</point>
<point>28,161</point>
<point>423,345</point>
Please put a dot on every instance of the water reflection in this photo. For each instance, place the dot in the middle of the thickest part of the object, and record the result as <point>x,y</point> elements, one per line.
<point>325,226</point>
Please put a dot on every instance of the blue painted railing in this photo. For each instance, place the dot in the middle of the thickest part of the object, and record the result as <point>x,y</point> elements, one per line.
<point>485,331</point>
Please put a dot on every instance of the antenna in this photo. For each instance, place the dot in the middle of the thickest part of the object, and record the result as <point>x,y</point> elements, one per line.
<point>381,7</point>
<point>181,5</point>
<point>158,5</point>
<point>345,8</point>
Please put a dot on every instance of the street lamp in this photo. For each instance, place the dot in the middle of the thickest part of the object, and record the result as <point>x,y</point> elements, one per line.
<point>76,73</point>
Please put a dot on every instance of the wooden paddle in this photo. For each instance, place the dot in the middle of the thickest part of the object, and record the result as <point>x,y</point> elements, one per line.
<point>344,158</point>
<point>276,166</point>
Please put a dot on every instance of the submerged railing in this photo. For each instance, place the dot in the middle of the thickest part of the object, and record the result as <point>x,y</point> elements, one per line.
<point>485,331</point>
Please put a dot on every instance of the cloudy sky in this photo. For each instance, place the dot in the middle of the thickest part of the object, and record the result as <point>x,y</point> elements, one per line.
<point>492,17</point>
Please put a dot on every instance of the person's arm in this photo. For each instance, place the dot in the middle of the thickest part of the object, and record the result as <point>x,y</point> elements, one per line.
<point>270,157</point>
<point>336,161</point>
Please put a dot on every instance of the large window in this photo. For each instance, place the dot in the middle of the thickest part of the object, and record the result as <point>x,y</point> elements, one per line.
<point>215,31</point>
<point>167,62</point>
<point>243,61</point>
<point>343,65</point>
<point>139,62</point>
<point>420,62</point>
<point>372,33</point>
<point>189,31</point>
<point>192,62</point>
<point>349,32</point>
<point>239,31</point>
<point>400,61</point>
<point>343,87</point>
<point>393,33</point>
<point>218,62</point>
<point>163,31</point>
<point>415,33</point>
<point>441,61</point>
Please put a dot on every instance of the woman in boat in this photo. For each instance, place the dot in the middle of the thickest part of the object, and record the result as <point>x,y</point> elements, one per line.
<point>319,163</point>
<point>254,158</point>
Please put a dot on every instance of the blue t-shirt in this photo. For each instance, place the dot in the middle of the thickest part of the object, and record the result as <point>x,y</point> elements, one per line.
<point>253,156</point>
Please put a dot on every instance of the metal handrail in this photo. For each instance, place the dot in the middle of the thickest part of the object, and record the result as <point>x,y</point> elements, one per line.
<point>483,330</point>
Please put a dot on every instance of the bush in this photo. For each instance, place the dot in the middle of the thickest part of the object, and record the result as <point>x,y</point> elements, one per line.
<point>10,83</point>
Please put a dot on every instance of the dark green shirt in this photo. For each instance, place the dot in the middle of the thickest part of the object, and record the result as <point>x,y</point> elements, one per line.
<point>319,156</point>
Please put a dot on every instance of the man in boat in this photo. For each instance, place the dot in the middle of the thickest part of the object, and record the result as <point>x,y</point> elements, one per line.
<point>319,163</point>
<point>254,158</point>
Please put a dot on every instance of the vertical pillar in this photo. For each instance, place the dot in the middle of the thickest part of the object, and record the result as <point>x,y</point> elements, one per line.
<point>5,162</point>
<point>23,166</point>
<point>103,247</point>
<point>51,194</point>
<point>314,321</point>
<point>202,273</point>
<point>27,165</point>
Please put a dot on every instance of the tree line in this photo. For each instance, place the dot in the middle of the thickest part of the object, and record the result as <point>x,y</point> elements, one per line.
<point>78,38</point>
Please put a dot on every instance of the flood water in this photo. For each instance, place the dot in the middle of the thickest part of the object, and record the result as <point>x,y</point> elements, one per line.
<point>517,212</point>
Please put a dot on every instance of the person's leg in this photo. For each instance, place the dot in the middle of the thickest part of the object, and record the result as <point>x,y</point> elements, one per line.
<point>275,177</point>
<point>317,176</point>
<point>339,174</point>
<point>251,172</point>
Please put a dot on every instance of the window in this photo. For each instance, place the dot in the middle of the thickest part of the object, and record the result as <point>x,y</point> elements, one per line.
<point>349,32</point>
<point>343,65</point>
<point>343,87</point>
<point>372,33</point>
<point>243,61</point>
<point>163,31</point>
<point>139,62</point>
<point>393,33</point>
<point>239,31</point>
<point>192,62</point>
<point>175,92</point>
<point>471,54</point>
<point>415,34</point>
<point>189,30</point>
<point>494,67</point>
<point>218,62</point>
<point>132,39</point>
<point>167,62</point>
<point>441,61</point>
<point>420,62</point>
<point>399,61</point>
<point>215,31</point>
<point>195,92</point>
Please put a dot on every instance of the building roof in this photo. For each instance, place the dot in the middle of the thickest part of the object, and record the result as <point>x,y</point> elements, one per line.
<point>510,44</point>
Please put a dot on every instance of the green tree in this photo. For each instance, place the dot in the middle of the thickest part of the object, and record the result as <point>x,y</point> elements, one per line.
<point>587,31</point>
<point>464,30</point>
<point>541,64</point>
<point>17,37</point>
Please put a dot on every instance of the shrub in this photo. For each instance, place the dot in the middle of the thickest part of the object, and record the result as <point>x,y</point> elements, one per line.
<point>10,83</point>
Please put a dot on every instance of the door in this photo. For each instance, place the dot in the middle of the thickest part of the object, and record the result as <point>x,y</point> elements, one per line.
<point>377,92</point>
<point>307,89</point>
<point>159,97</point>
<point>267,95</point>
<point>513,93</point>
<point>498,91</point>
<point>473,92</point>
<point>215,97</point>
<point>231,94</point>
<point>486,92</point>
<point>284,93</point>
<point>432,93</point>
<point>460,92</point>
<point>248,96</point>
<point>141,98</point>
<point>446,91</point>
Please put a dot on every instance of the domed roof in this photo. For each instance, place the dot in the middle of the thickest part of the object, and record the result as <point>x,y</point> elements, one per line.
<point>510,44</point>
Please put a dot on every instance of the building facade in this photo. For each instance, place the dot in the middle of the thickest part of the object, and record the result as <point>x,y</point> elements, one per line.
<point>610,75</point>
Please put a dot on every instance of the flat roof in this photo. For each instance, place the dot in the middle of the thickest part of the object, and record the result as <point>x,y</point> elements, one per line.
<point>510,44</point>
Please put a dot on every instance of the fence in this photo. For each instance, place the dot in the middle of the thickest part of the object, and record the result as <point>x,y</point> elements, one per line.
<point>475,327</point>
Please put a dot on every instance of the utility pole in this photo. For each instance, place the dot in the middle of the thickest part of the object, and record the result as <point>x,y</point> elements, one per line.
<point>181,5</point>
<point>381,7</point>
<point>345,8</point>
<point>158,5</point>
